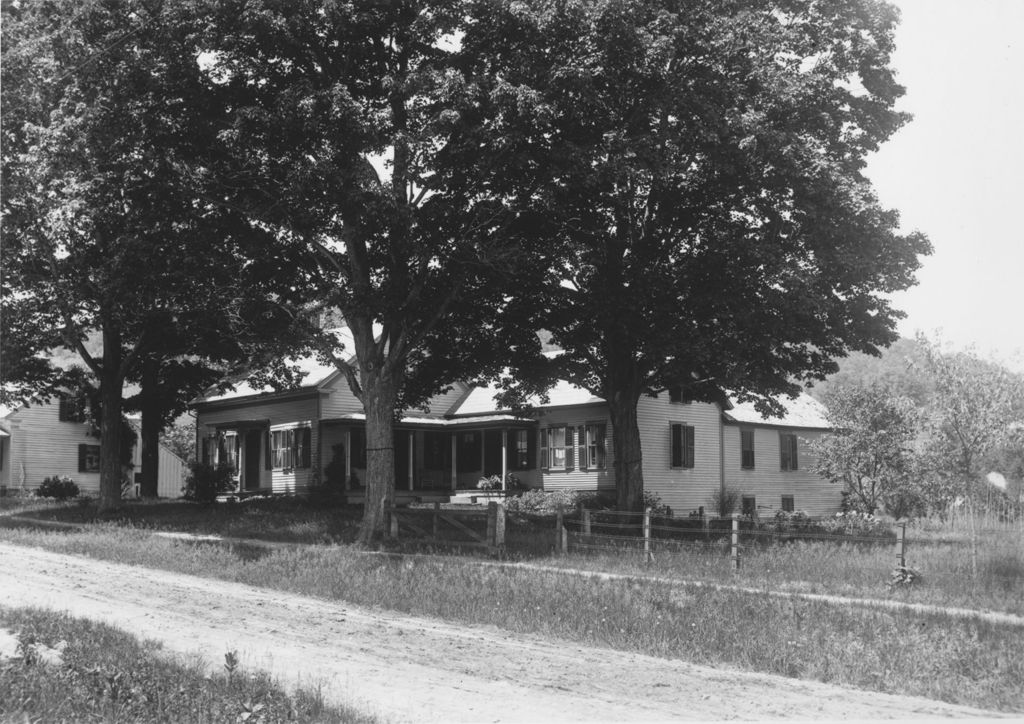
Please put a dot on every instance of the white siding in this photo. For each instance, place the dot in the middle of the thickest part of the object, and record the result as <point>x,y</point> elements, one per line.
<point>578,478</point>
<point>767,482</point>
<point>278,412</point>
<point>337,399</point>
<point>171,470</point>
<point>41,446</point>
<point>683,489</point>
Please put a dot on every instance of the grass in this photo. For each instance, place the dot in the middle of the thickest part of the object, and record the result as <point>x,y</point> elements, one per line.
<point>961,661</point>
<point>109,675</point>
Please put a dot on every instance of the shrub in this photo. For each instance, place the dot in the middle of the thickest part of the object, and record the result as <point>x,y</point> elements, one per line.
<point>725,501</point>
<point>785,522</point>
<point>60,487</point>
<point>653,501</point>
<point>205,482</point>
<point>856,524</point>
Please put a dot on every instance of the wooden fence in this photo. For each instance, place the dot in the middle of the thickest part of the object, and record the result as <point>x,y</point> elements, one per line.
<point>470,528</point>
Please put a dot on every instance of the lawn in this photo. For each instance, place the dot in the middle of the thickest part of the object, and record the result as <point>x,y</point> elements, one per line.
<point>108,675</point>
<point>965,661</point>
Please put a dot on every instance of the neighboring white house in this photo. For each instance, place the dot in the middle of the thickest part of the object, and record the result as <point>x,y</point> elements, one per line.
<point>40,441</point>
<point>291,441</point>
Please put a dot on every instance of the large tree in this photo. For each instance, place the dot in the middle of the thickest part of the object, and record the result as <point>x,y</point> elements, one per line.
<point>110,228</point>
<point>697,169</point>
<point>871,448</point>
<point>347,120</point>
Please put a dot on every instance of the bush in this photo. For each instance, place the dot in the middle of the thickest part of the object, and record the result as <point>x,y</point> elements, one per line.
<point>60,487</point>
<point>545,502</point>
<point>653,501</point>
<point>785,522</point>
<point>725,502</point>
<point>205,482</point>
<point>856,524</point>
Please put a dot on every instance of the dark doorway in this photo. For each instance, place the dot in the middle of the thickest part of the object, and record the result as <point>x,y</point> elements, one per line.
<point>251,475</point>
<point>401,459</point>
<point>492,452</point>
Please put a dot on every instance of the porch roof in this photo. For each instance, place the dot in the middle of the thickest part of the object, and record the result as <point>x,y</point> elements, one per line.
<point>438,422</point>
<point>247,424</point>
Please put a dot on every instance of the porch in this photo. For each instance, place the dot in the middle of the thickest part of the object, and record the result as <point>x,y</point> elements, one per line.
<point>433,458</point>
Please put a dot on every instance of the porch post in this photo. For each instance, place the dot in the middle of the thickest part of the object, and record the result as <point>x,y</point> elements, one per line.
<point>412,455</point>
<point>504,457</point>
<point>455,462</point>
<point>348,456</point>
<point>483,448</point>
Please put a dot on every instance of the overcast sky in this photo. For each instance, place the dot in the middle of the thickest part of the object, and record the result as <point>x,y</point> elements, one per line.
<point>956,172</point>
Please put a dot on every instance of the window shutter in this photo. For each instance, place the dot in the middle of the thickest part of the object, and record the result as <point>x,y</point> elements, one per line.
<point>581,446</point>
<point>544,464</point>
<point>531,451</point>
<point>63,416</point>
<point>689,454</point>
<point>675,433</point>
<point>570,448</point>
<point>792,452</point>
<point>83,451</point>
<point>267,462</point>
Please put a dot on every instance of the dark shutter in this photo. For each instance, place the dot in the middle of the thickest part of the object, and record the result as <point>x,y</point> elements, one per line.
<point>792,453</point>
<point>64,416</point>
<point>531,450</point>
<point>581,443</point>
<point>688,460</point>
<point>545,455</point>
<point>83,452</point>
<point>675,432</point>
<point>570,448</point>
<point>675,393</point>
<point>267,462</point>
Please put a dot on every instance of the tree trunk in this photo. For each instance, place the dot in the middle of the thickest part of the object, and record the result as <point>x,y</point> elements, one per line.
<point>629,474</point>
<point>152,415</point>
<point>111,395</point>
<point>379,394</point>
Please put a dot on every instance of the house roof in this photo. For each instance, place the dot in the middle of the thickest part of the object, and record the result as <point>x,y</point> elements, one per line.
<point>312,370</point>
<point>480,401</point>
<point>801,411</point>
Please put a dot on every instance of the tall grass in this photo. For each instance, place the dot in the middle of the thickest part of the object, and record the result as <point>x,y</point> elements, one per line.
<point>107,675</point>
<point>956,660</point>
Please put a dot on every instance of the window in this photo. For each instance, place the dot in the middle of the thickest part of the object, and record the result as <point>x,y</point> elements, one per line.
<point>556,448</point>
<point>71,409</point>
<point>227,451</point>
<point>521,450</point>
<point>88,458</point>
<point>787,503</point>
<point>677,394</point>
<point>749,505</point>
<point>290,449</point>
<point>747,449</point>
<point>682,452</point>
<point>787,451</point>
<point>594,456</point>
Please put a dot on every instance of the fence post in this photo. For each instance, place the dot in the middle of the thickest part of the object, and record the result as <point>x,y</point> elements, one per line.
<point>500,516</point>
<point>647,533</point>
<point>492,522</point>
<point>735,543</point>
<point>392,516</point>
<point>561,537</point>
<point>433,519</point>
<point>901,540</point>
<point>586,522</point>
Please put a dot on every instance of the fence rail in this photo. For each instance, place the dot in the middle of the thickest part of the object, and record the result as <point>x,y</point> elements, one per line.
<point>437,526</point>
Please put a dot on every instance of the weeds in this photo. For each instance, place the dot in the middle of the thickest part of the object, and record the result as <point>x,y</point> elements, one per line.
<point>107,675</point>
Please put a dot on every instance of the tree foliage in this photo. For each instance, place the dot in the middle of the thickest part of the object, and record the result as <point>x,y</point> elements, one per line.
<point>110,224</point>
<point>696,173</point>
<point>976,414</point>
<point>870,450</point>
<point>349,125</point>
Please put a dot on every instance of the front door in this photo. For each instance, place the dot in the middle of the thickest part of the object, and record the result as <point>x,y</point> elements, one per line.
<point>492,452</point>
<point>251,476</point>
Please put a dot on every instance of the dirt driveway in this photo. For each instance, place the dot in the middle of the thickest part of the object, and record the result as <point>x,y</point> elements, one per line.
<point>405,668</point>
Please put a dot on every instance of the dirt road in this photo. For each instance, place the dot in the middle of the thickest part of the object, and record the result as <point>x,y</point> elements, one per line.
<point>416,669</point>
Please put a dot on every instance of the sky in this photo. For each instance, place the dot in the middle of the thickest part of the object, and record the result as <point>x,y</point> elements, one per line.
<point>956,172</point>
